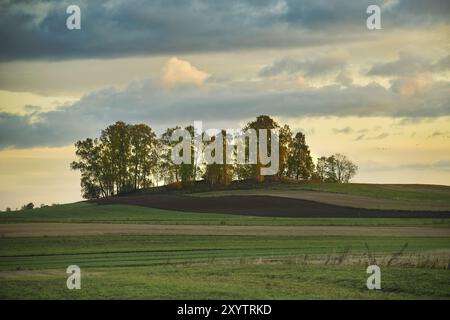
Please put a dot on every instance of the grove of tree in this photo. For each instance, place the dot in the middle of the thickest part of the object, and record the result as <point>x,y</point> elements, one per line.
<point>128,157</point>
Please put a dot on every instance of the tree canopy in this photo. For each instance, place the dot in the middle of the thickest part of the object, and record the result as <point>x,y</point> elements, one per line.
<point>128,157</point>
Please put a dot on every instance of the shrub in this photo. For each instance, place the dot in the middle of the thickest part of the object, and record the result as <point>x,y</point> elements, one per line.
<point>28,206</point>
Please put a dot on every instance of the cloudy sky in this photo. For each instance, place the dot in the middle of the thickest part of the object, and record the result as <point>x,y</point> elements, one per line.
<point>380,96</point>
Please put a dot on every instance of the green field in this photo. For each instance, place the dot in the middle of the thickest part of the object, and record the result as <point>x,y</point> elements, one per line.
<point>235,266</point>
<point>230,281</point>
<point>274,267</point>
<point>384,191</point>
<point>113,251</point>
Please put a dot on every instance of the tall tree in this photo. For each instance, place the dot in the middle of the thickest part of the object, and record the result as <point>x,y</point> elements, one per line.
<point>300,163</point>
<point>321,168</point>
<point>143,155</point>
<point>331,169</point>
<point>116,141</point>
<point>95,178</point>
<point>286,142</point>
<point>261,122</point>
<point>170,172</point>
<point>219,173</point>
<point>188,171</point>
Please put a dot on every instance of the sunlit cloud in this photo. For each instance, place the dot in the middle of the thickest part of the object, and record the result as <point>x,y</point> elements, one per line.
<point>177,71</point>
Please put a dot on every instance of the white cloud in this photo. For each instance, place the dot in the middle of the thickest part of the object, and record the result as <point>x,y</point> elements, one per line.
<point>177,71</point>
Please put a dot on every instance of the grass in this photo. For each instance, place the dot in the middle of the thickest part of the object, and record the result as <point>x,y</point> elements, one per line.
<point>84,212</point>
<point>217,281</point>
<point>380,191</point>
<point>223,267</point>
<point>103,251</point>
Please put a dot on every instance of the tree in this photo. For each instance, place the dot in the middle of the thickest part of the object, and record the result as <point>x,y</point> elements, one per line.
<point>8,209</point>
<point>185,172</point>
<point>95,169</point>
<point>188,171</point>
<point>116,144</point>
<point>143,155</point>
<point>123,159</point>
<point>321,168</point>
<point>330,169</point>
<point>89,189</point>
<point>336,168</point>
<point>129,157</point>
<point>300,163</point>
<point>345,169</point>
<point>286,141</point>
<point>28,206</point>
<point>219,173</point>
<point>254,170</point>
<point>169,172</point>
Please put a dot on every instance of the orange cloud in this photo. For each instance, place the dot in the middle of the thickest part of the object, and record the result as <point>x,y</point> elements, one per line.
<point>177,71</point>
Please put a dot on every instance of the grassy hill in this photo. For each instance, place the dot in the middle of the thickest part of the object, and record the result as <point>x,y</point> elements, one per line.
<point>370,196</point>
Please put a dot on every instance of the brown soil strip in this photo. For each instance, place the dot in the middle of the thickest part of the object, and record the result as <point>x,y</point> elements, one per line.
<point>265,206</point>
<point>88,229</point>
<point>339,199</point>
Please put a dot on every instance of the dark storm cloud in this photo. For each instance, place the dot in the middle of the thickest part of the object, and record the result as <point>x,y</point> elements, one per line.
<point>36,29</point>
<point>144,102</point>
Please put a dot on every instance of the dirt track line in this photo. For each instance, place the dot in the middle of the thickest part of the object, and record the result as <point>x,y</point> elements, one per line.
<point>87,229</point>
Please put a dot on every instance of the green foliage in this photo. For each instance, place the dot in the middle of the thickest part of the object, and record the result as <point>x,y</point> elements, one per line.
<point>285,147</point>
<point>188,171</point>
<point>219,173</point>
<point>295,159</point>
<point>128,157</point>
<point>253,171</point>
<point>167,170</point>
<point>300,163</point>
<point>336,168</point>
<point>123,159</point>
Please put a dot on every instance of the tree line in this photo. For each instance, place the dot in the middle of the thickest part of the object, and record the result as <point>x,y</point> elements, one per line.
<point>128,157</point>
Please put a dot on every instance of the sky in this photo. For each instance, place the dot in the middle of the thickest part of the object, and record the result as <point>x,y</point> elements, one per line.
<point>382,97</point>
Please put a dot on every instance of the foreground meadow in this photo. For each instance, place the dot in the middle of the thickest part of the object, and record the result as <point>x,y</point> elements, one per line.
<point>131,252</point>
<point>224,267</point>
